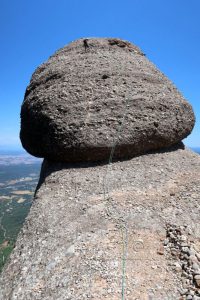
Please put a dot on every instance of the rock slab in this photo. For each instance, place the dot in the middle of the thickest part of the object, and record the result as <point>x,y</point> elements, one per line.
<point>71,245</point>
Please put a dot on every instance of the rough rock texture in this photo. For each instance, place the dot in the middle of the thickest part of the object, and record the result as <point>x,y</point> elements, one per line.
<point>76,102</point>
<point>91,223</point>
<point>96,230</point>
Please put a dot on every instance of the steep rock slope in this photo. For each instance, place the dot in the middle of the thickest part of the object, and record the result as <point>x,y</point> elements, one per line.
<point>100,231</point>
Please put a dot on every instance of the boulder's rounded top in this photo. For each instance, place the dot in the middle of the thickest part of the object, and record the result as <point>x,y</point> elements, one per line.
<point>100,43</point>
<point>98,92</point>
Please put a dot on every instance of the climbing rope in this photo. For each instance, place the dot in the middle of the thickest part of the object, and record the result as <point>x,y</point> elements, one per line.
<point>123,227</point>
<point>113,148</point>
<point>124,258</point>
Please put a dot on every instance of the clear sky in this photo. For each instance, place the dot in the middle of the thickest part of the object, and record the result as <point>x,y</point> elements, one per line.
<point>168,31</point>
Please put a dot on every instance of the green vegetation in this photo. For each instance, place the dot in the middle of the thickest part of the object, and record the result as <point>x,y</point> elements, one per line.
<point>16,184</point>
<point>5,253</point>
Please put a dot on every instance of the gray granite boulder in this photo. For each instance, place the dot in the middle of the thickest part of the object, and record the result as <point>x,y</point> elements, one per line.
<point>100,92</point>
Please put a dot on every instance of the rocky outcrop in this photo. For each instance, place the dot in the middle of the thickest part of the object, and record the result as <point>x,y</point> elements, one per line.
<point>77,101</point>
<point>97,230</point>
<point>116,229</point>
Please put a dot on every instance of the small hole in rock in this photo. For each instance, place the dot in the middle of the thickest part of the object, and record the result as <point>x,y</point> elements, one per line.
<point>105,76</point>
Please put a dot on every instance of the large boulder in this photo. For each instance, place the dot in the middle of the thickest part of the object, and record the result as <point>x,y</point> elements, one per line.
<point>98,93</point>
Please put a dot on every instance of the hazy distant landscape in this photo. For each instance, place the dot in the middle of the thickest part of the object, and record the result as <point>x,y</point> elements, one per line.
<point>196,149</point>
<point>19,174</point>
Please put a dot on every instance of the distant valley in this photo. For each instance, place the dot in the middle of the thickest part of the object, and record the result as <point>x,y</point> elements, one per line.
<point>19,174</point>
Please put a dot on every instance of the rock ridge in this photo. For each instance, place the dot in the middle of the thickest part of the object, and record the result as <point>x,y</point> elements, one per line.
<point>71,244</point>
<point>116,210</point>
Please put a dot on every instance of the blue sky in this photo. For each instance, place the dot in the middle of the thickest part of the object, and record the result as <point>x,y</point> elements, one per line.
<point>168,31</point>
